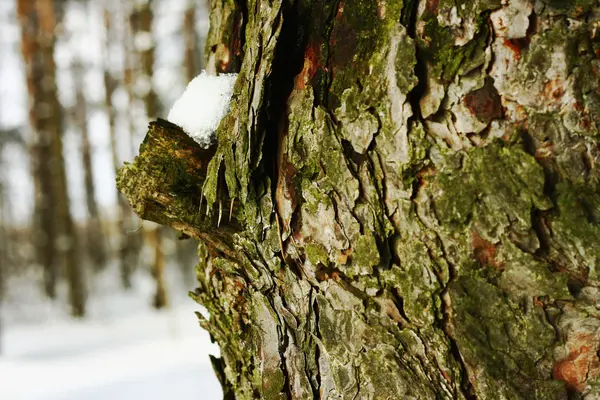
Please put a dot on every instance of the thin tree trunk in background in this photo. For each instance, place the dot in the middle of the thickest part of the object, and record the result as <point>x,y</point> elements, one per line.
<point>10,256</point>
<point>37,47</point>
<point>158,269</point>
<point>66,240</point>
<point>190,37</point>
<point>134,236</point>
<point>123,248</point>
<point>5,259</point>
<point>57,244</point>
<point>141,22</point>
<point>130,66</point>
<point>95,245</point>
<point>415,190</point>
<point>186,258</point>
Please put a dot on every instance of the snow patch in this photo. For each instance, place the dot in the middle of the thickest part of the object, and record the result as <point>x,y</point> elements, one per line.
<point>202,105</point>
<point>122,350</point>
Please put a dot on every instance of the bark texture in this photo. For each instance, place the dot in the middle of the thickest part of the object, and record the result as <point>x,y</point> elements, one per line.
<point>403,202</point>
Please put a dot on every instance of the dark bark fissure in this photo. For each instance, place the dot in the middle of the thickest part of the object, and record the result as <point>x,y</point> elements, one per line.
<point>287,63</point>
<point>324,75</point>
<point>465,385</point>
<point>409,20</point>
<point>539,218</point>
<point>287,66</point>
<point>315,381</point>
<point>283,346</point>
<point>239,28</point>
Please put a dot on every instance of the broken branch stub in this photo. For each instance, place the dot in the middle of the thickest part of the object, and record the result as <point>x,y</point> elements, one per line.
<point>164,184</point>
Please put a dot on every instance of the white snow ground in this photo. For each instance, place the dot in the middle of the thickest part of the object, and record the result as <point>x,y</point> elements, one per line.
<point>123,351</point>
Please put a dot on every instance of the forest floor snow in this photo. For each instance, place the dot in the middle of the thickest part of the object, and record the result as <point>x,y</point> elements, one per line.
<point>123,351</point>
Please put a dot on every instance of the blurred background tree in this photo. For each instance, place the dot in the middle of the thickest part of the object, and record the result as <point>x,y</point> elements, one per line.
<point>80,79</point>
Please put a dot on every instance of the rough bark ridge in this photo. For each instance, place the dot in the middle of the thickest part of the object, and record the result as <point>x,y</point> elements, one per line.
<point>403,201</point>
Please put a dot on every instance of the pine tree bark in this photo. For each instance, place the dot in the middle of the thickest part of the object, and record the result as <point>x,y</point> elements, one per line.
<point>403,201</point>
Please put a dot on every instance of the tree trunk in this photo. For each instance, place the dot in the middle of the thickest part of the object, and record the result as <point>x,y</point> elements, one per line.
<point>65,241</point>
<point>56,244</point>
<point>37,48</point>
<point>190,37</point>
<point>5,257</point>
<point>141,20</point>
<point>158,270</point>
<point>95,238</point>
<point>134,239</point>
<point>403,202</point>
<point>124,248</point>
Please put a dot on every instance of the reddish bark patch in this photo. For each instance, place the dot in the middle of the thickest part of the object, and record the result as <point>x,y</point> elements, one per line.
<point>340,10</point>
<point>325,275</point>
<point>578,12</point>
<point>484,103</point>
<point>343,257</point>
<point>424,174</point>
<point>381,9</point>
<point>285,191</point>
<point>236,37</point>
<point>581,364</point>
<point>432,6</point>
<point>521,43</point>
<point>311,64</point>
<point>515,47</point>
<point>446,376</point>
<point>342,41</point>
<point>485,252</point>
<point>286,177</point>
<point>585,123</point>
<point>225,60</point>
